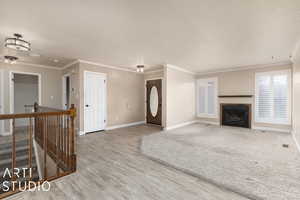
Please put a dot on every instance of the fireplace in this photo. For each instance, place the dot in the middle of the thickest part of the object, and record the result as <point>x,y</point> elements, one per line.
<point>238,115</point>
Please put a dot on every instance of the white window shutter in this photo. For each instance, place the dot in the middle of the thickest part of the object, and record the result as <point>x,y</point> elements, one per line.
<point>272,101</point>
<point>211,98</point>
<point>202,98</point>
<point>264,97</point>
<point>207,97</point>
<point>280,89</point>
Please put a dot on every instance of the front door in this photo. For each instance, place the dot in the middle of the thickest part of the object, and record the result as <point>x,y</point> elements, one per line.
<point>94,102</point>
<point>154,101</point>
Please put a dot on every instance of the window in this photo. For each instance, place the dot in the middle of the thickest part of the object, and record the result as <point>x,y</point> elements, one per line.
<point>273,97</point>
<point>207,97</point>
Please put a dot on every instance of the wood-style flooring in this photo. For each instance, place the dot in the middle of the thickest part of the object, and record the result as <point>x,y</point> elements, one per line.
<point>111,167</point>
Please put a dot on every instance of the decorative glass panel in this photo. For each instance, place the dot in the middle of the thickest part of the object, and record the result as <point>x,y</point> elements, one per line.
<point>154,101</point>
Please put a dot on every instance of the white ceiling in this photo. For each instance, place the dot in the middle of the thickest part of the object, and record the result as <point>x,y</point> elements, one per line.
<point>198,35</point>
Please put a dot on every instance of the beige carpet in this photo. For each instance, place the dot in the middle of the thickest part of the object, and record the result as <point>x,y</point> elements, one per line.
<point>251,163</point>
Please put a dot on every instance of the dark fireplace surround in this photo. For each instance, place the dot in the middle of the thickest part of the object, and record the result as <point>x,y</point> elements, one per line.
<point>238,115</point>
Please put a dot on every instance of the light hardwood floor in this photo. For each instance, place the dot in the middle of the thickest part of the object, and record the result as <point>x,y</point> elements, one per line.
<point>110,166</point>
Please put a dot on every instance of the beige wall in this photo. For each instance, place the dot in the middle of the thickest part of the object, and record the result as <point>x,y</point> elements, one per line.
<point>73,71</point>
<point>51,84</point>
<point>154,74</point>
<point>241,83</point>
<point>50,80</point>
<point>125,94</point>
<point>180,97</point>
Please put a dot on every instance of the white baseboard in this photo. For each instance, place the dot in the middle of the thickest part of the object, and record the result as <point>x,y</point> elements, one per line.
<point>209,122</point>
<point>180,125</point>
<point>80,132</point>
<point>271,129</point>
<point>5,134</point>
<point>124,125</point>
<point>296,141</point>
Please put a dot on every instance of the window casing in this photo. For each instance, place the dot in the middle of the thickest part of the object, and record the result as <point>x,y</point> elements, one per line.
<point>207,91</point>
<point>273,97</point>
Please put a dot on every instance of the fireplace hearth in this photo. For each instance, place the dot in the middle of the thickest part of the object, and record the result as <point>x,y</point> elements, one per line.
<point>238,115</point>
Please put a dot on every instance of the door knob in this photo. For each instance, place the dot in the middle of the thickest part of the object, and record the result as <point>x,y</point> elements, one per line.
<point>86,105</point>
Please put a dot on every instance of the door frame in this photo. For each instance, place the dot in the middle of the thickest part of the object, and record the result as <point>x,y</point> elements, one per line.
<point>11,90</point>
<point>145,96</point>
<point>64,89</point>
<point>104,76</point>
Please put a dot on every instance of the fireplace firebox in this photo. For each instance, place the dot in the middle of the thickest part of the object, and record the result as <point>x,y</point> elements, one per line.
<point>238,115</point>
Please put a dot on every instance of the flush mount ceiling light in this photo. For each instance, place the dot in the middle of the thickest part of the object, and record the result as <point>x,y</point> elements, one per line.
<point>10,59</point>
<point>140,68</point>
<point>17,43</point>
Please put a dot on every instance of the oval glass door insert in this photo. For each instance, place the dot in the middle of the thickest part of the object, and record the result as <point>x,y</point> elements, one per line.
<point>154,101</point>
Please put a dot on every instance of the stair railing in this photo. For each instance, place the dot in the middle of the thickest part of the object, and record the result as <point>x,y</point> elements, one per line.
<point>53,131</point>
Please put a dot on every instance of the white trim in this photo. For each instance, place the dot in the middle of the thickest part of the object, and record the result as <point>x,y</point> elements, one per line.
<point>180,125</point>
<point>296,141</point>
<point>81,133</point>
<point>124,125</point>
<point>11,89</point>
<point>5,133</point>
<point>70,64</point>
<point>110,66</point>
<point>272,73</point>
<point>180,69</point>
<point>271,129</point>
<point>64,88</point>
<point>104,76</point>
<point>37,159</point>
<point>154,71</point>
<point>145,93</point>
<point>38,65</point>
<point>209,122</point>
<point>155,78</point>
<point>246,67</point>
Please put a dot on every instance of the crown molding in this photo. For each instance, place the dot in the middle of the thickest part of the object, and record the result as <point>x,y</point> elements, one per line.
<point>180,69</point>
<point>35,65</point>
<point>108,66</point>
<point>70,64</point>
<point>247,67</point>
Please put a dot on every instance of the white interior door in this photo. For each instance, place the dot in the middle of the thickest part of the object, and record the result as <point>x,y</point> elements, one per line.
<point>94,102</point>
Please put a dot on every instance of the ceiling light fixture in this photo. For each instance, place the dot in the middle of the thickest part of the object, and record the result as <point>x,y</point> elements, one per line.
<point>10,59</point>
<point>17,43</point>
<point>140,68</point>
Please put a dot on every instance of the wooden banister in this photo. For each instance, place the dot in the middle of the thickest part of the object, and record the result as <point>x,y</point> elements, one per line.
<point>53,130</point>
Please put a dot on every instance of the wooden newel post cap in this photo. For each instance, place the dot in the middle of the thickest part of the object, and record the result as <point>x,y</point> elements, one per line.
<point>35,106</point>
<point>73,110</point>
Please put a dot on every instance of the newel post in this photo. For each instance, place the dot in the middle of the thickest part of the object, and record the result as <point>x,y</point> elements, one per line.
<point>36,125</point>
<point>73,115</point>
<point>36,107</point>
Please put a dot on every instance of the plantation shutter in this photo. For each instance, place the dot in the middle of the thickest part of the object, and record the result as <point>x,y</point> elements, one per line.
<point>211,97</point>
<point>207,91</point>
<point>202,98</point>
<point>273,97</point>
